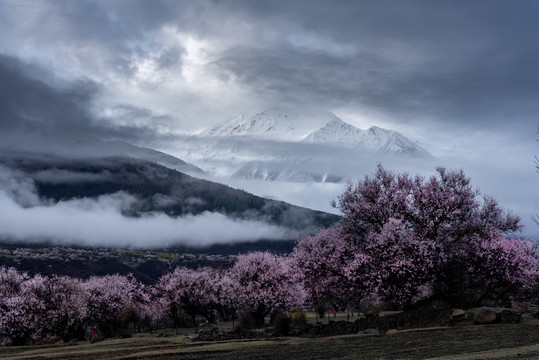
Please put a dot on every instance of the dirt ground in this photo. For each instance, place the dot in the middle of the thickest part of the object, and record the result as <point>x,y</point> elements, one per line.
<point>520,341</point>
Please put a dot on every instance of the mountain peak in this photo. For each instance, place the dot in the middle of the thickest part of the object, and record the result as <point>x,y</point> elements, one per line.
<point>340,133</point>
<point>267,123</point>
<point>336,132</point>
<point>334,120</point>
<point>375,128</point>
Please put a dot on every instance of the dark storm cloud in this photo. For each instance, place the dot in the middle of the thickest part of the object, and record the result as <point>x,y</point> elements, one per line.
<point>110,29</point>
<point>36,114</point>
<point>25,100</point>
<point>463,62</point>
<point>471,63</point>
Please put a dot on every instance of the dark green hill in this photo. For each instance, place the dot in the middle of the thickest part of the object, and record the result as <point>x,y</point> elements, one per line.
<point>155,189</point>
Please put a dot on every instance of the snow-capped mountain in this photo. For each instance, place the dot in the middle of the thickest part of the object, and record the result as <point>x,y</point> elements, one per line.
<point>276,146</point>
<point>278,125</point>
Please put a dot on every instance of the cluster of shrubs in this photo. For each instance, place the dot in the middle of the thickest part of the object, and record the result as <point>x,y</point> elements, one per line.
<point>402,242</point>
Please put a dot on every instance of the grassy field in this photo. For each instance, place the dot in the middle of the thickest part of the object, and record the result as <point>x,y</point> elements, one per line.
<point>475,342</point>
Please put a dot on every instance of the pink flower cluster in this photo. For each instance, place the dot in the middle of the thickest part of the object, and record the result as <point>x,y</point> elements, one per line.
<point>34,307</point>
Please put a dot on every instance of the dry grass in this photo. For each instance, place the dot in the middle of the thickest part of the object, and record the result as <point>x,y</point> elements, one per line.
<point>476,342</point>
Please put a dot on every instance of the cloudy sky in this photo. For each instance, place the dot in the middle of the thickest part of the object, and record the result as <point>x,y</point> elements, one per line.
<point>461,77</point>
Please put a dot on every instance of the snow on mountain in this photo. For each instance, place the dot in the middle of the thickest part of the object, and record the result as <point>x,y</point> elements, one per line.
<point>291,171</point>
<point>339,133</point>
<point>336,132</point>
<point>275,146</point>
<point>392,141</point>
<point>266,124</point>
<point>278,125</point>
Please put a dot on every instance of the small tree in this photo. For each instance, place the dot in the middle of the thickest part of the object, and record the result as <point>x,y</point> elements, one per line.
<point>190,292</point>
<point>35,307</point>
<point>108,297</point>
<point>59,305</point>
<point>264,285</point>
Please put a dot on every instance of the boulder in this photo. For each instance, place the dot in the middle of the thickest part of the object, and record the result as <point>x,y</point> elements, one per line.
<point>485,315</point>
<point>460,317</point>
<point>458,314</point>
<point>508,316</point>
<point>371,332</point>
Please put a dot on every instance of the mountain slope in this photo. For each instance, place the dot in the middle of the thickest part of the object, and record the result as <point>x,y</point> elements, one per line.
<point>155,189</point>
<point>122,148</point>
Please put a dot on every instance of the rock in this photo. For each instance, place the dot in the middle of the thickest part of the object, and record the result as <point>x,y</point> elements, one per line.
<point>371,332</point>
<point>485,315</point>
<point>458,314</point>
<point>507,316</point>
<point>460,317</point>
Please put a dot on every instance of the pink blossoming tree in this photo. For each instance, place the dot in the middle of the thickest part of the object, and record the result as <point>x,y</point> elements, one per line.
<point>39,306</point>
<point>57,304</point>
<point>113,302</point>
<point>264,284</point>
<point>414,240</point>
<point>191,293</point>
<point>15,327</point>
